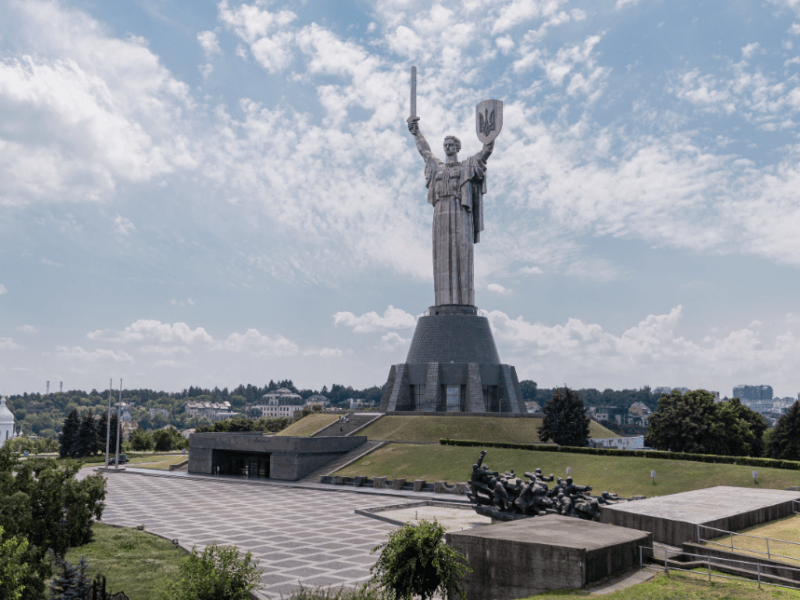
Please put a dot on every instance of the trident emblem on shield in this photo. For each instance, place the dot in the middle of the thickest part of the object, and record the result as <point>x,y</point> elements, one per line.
<point>489,120</point>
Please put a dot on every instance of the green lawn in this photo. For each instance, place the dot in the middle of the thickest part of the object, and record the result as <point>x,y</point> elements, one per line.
<point>786,530</point>
<point>681,586</point>
<point>309,424</point>
<point>484,429</point>
<point>132,561</point>
<point>625,475</point>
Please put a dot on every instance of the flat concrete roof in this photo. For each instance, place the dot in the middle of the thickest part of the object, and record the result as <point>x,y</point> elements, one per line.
<point>556,530</point>
<point>703,506</point>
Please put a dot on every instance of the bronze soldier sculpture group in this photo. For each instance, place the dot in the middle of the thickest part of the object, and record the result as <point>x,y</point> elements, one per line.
<point>505,496</point>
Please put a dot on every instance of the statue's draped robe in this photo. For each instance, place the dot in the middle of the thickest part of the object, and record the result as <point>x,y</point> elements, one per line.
<point>456,193</point>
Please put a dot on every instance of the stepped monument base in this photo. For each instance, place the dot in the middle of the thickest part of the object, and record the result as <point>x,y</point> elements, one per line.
<point>453,366</point>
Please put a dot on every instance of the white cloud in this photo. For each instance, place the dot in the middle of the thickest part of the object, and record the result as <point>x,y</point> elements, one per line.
<point>263,31</point>
<point>594,269</point>
<point>393,318</point>
<point>585,354</point>
<point>208,40</point>
<point>3,289</point>
<point>324,352</point>
<point>148,329</point>
<point>80,354</point>
<point>517,12</point>
<point>498,289</point>
<point>622,3</point>
<point>531,270</point>
<point>254,342</point>
<point>50,263</point>
<point>94,110</point>
<point>27,329</point>
<point>795,29</point>
<point>751,49</point>
<point>392,341</point>
<point>7,343</point>
<point>123,227</point>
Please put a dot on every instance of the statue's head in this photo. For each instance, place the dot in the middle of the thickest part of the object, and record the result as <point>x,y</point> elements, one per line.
<point>569,479</point>
<point>538,471</point>
<point>452,145</point>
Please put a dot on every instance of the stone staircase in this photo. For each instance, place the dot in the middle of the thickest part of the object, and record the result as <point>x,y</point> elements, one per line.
<point>344,460</point>
<point>349,423</point>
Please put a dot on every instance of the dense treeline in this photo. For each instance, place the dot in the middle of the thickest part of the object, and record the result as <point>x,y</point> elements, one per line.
<point>594,397</point>
<point>43,414</point>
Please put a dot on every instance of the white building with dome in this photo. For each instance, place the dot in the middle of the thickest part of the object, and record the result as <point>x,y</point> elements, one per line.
<point>6,422</point>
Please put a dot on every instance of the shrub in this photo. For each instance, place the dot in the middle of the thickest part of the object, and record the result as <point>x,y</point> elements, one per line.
<point>219,573</point>
<point>415,562</point>
<point>13,568</point>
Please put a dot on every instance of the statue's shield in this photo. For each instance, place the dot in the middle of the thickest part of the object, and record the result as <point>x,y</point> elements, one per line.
<point>489,120</point>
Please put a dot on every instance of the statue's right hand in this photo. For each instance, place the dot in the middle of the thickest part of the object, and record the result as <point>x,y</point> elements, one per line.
<point>413,125</point>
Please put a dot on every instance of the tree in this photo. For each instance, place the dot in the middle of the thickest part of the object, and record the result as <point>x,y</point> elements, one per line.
<point>565,421</point>
<point>220,573</point>
<point>415,562</point>
<point>44,504</point>
<point>85,443</point>
<point>141,440</point>
<point>13,568</point>
<point>69,433</point>
<point>72,583</point>
<point>683,422</point>
<point>784,443</point>
<point>168,439</point>
<point>528,390</point>
<point>739,430</point>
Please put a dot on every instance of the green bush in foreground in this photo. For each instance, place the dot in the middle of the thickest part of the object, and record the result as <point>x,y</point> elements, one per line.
<point>13,568</point>
<point>415,562</point>
<point>219,573</point>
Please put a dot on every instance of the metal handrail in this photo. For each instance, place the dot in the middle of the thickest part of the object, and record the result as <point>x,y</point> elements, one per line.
<point>755,537</point>
<point>711,574</point>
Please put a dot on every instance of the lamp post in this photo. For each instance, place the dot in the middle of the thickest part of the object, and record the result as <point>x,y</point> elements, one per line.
<point>119,419</point>
<point>108,419</point>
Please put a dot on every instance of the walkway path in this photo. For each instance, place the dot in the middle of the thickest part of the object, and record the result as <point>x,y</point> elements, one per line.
<point>301,535</point>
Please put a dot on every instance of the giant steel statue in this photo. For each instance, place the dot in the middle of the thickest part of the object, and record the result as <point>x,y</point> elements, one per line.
<point>456,189</point>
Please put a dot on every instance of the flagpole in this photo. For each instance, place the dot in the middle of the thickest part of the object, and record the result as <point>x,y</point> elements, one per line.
<point>108,418</point>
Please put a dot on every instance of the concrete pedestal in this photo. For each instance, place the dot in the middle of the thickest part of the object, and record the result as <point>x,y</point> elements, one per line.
<point>522,558</point>
<point>453,352</point>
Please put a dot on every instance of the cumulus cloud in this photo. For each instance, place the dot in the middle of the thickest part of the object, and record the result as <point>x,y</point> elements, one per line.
<point>7,343</point>
<point>324,352</point>
<point>208,40</point>
<point>651,350</point>
<point>27,329</point>
<point>3,289</point>
<point>622,3</point>
<point>123,227</point>
<point>254,342</point>
<point>498,289</point>
<point>393,318</point>
<point>392,341</point>
<point>78,353</point>
<point>148,329</point>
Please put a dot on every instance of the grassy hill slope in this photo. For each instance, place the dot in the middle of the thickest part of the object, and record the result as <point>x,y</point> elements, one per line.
<point>624,475</point>
<point>484,429</point>
<point>309,424</point>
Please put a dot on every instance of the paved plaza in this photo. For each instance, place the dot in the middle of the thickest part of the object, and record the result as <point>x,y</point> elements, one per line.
<point>300,535</point>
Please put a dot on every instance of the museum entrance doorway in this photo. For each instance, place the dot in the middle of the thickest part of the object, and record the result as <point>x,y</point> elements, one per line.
<point>254,465</point>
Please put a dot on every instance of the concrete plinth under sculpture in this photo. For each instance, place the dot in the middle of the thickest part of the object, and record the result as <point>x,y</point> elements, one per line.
<point>522,558</point>
<point>453,365</point>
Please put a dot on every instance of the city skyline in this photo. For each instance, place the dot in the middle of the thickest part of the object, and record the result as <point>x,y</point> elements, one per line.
<point>207,193</point>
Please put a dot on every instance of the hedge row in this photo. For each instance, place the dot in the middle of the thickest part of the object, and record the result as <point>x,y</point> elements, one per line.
<point>707,458</point>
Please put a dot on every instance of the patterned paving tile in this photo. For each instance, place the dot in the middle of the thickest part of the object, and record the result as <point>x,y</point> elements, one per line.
<point>307,537</point>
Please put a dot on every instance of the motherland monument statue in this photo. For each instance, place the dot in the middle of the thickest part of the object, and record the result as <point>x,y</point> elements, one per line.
<point>453,364</point>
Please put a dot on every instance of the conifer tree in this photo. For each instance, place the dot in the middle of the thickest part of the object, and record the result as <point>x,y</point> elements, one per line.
<point>785,441</point>
<point>71,583</point>
<point>565,421</point>
<point>86,440</point>
<point>69,433</point>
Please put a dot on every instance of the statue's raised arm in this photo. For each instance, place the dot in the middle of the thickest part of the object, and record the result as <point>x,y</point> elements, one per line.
<point>422,144</point>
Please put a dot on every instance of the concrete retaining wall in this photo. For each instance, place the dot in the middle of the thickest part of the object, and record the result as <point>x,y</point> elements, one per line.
<point>291,458</point>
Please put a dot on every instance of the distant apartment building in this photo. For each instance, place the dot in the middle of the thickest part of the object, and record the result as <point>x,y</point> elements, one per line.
<point>283,402</point>
<point>213,411</point>
<point>667,390</point>
<point>608,413</point>
<point>752,393</point>
<point>318,399</point>
<point>158,411</point>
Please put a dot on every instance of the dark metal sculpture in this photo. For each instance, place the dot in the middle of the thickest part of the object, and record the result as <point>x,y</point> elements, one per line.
<point>506,497</point>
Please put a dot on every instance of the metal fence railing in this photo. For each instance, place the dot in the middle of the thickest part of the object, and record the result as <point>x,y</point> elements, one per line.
<point>719,563</point>
<point>769,552</point>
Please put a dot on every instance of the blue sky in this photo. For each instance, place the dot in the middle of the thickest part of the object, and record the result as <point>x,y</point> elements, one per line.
<point>209,193</point>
